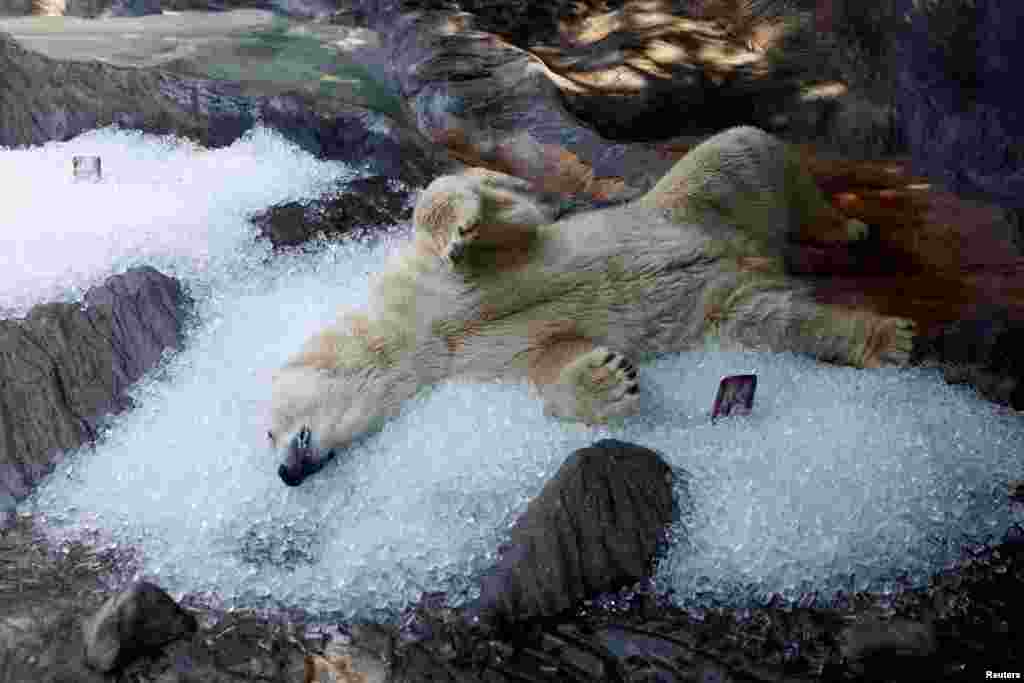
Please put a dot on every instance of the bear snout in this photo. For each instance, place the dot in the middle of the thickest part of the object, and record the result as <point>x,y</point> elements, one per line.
<point>289,478</point>
<point>303,459</point>
<point>295,474</point>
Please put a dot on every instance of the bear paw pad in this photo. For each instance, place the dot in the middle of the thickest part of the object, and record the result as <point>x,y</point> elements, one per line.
<point>604,384</point>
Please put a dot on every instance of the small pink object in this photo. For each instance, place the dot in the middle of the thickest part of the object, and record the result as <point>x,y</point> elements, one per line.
<point>735,396</point>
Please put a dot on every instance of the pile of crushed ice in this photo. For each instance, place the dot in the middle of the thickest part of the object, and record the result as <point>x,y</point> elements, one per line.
<point>839,479</point>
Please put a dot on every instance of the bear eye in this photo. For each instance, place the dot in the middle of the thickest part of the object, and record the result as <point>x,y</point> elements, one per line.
<point>270,435</point>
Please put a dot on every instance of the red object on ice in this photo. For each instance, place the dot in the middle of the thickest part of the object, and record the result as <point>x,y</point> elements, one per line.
<point>735,396</point>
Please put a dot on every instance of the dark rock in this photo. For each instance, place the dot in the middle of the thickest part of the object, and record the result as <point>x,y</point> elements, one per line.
<point>963,624</point>
<point>15,8</point>
<point>139,619</point>
<point>595,527</point>
<point>360,206</point>
<point>984,349</point>
<point>132,8</point>
<point>61,594</point>
<point>66,367</point>
<point>363,138</point>
<point>958,99</point>
<point>876,647</point>
<point>971,613</point>
<point>495,98</point>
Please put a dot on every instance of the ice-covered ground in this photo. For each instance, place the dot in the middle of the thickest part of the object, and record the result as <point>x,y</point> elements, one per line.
<point>840,478</point>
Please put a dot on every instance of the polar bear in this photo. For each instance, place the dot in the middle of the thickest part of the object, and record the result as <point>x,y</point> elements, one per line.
<point>492,287</point>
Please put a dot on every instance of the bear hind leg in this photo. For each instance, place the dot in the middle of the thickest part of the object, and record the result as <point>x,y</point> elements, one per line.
<point>588,383</point>
<point>789,319</point>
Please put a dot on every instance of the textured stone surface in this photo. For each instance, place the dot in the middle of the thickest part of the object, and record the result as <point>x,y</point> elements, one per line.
<point>37,105</point>
<point>139,619</point>
<point>642,73</point>
<point>594,527</point>
<point>874,646</point>
<point>63,367</point>
<point>363,205</point>
<point>958,97</point>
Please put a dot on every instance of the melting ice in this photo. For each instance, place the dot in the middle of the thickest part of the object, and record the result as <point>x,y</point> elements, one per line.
<point>839,479</point>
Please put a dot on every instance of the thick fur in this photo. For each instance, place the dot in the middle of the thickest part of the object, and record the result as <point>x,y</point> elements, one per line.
<point>489,288</point>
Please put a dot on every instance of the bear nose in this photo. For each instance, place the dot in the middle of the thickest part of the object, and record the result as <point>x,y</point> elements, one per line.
<point>287,478</point>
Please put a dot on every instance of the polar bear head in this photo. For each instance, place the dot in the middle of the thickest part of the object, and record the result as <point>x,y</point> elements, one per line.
<point>344,383</point>
<point>305,428</point>
<point>317,413</point>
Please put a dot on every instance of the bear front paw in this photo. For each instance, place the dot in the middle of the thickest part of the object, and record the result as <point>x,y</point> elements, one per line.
<point>891,342</point>
<point>603,386</point>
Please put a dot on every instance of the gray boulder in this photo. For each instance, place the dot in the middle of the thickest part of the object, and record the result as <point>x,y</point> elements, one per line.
<point>594,528</point>
<point>66,367</point>
<point>140,618</point>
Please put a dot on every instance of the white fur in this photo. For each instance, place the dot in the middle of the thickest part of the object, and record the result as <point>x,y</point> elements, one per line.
<point>665,273</point>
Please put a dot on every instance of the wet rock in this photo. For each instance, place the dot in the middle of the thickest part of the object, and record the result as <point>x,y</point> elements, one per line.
<point>594,527</point>
<point>491,104</point>
<point>357,208</point>
<point>137,620</point>
<point>66,367</point>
